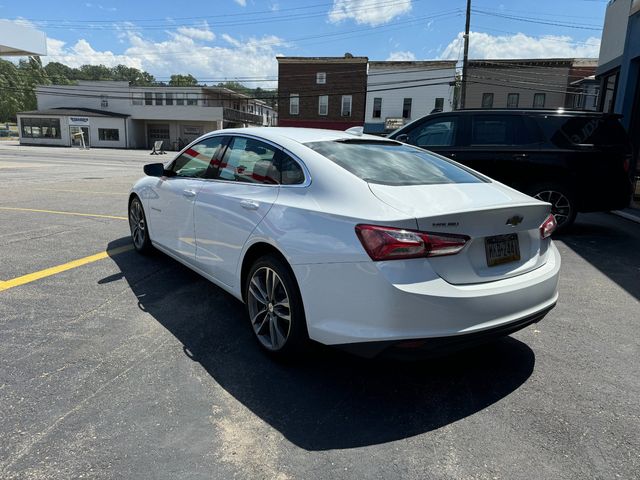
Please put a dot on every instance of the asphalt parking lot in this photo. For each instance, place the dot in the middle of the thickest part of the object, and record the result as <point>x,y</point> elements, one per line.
<point>115,365</point>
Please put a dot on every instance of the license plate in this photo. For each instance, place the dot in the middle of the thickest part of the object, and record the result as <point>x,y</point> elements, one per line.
<point>502,249</point>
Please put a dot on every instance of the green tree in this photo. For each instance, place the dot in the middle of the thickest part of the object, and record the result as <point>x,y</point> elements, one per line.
<point>95,72</point>
<point>11,91</point>
<point>32,73</point>
<point>183,81</point>
<point>60,74</point>
<point>132,75</point>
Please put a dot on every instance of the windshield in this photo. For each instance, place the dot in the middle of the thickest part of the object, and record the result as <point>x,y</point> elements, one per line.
<point>393,164</point>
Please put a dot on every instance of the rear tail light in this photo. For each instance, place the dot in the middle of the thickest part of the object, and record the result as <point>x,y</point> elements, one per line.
<point>548,226</point>
<point>388,243</point>
<point>627,163</point>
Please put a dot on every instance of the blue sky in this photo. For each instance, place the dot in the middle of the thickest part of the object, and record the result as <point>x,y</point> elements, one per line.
<point>227,39</point>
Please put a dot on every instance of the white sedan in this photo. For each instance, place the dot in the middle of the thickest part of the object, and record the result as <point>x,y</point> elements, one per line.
<point>350,240</point>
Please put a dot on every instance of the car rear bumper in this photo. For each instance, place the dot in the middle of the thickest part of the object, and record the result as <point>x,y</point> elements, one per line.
<point>428,347</point>
<point>348,303</point>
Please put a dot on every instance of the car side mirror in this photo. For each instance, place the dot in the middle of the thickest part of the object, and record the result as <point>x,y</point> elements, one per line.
<point>403,137</point>
<point>154,169</point>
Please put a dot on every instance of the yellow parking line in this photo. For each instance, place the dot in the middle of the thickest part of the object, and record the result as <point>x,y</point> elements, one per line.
<point>32,277</point>
<point>62,213</point>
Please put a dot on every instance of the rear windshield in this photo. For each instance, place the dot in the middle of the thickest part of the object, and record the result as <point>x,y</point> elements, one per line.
<point>589,130</point>
<point>392,163</point>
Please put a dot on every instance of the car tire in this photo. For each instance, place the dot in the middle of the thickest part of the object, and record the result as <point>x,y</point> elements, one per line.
<point>562,200</point>
<point>139,227</point>
<point>275,308</point>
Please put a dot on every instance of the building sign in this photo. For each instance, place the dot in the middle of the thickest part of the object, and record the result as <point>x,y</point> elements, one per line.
<point>79,121</point>
<point>393,123</point>
<point>191,130</point>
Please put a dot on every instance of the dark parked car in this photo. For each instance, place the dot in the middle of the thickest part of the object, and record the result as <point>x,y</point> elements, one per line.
<point>577,161</point>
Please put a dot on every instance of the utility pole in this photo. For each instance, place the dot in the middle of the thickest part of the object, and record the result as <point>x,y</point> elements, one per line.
<point>465,59</point>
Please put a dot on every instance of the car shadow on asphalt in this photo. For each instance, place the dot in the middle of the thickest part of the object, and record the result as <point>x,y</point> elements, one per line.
<point>326,399</point>
<point>610,244</point>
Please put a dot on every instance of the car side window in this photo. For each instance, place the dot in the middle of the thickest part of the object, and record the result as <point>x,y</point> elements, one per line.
<point>195,161</point>
<point>435,133</point>
<point>251,161</point>
<point>291,172</point>
<point>501,130</point>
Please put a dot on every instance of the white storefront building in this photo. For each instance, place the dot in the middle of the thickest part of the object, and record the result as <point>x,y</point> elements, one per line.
<point>401,91</point>
<point>122,116</point>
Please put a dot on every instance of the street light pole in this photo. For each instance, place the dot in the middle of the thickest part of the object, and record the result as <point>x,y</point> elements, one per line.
<point>465,59</point>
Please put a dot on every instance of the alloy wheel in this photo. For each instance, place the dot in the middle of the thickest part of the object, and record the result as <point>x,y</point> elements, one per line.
<point>137,224</point>
<point>560,204</point>
<point>269,308</point>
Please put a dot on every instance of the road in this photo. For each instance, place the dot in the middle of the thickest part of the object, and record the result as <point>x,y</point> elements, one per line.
<point>123,366</point>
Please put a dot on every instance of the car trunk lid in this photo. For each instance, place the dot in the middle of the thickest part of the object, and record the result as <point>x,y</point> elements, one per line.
<point>503,226</point>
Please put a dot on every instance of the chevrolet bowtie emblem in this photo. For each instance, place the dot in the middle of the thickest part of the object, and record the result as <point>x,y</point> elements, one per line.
<point>515,220</point>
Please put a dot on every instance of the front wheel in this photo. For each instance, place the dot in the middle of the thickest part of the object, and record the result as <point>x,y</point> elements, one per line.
<point>563,205</point>
<point>275,307</point>
<point>139,227</point>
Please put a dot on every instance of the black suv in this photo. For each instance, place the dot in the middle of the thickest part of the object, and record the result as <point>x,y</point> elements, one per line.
<point>577,161</point>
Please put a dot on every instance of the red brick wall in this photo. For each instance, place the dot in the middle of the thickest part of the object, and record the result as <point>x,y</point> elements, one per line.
<point>344,78</point>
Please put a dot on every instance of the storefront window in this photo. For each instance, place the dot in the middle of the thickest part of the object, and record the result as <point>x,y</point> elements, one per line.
<point>109,134</point>
<point>40,127</point>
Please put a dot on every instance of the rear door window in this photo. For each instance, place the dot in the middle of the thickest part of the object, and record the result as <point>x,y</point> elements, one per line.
<point>391,163</point>
<point>505,130</point>
<point>251,161</point>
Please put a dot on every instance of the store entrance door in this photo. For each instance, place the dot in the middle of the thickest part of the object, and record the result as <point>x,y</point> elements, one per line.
<point>75,137</point>
<point>157,132</point>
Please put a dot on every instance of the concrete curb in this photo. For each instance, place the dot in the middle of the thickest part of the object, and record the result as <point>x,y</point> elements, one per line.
<point>628,216</point>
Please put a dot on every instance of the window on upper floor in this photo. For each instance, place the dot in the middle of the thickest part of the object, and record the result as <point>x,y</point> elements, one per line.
<point>148,98</point>
<point>168,98</point>
<point>406,108</point>
<point>192,99</point>
<point>539,100</point>
<point>513,99</point>
<point>487,100</point>
<point>321,78</point>
<point>439,104</point>
<point>179,98</point>
<point>104,101</point>
<point>137,98</point>
<point>377,107</point>
<point>159,98</point>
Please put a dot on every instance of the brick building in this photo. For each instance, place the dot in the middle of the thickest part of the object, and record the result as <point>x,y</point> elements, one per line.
<point>322,92</point>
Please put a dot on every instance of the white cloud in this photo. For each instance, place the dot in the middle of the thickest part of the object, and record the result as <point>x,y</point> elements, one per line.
<point>242,3</point>
<point>401,56</point>
<point>82,53</point>
<point>183,51</point>
<point>369,12</point>
<point>484,45</point>
<point>252,57</point>
<point>198,33</point>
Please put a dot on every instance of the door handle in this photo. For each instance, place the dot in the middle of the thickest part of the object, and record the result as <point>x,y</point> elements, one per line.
<point>452,155</point>
<point>189,193</point>
<point>520,155</point>
<point>249,204</point>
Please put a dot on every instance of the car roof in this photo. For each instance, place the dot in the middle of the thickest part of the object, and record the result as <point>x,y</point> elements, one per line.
<point>299,135</point>
<point>524,111</point>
